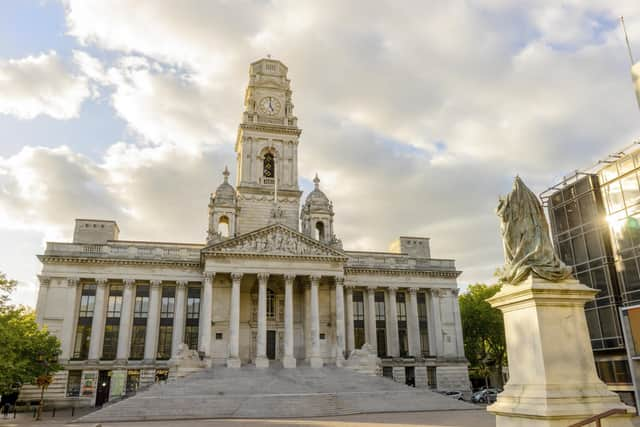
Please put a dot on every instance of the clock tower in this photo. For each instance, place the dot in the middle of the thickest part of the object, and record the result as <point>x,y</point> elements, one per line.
<point>267,151</point>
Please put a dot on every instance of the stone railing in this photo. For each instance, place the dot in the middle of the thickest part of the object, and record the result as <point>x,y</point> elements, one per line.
<point>383,260</point>
<point>126,250</point>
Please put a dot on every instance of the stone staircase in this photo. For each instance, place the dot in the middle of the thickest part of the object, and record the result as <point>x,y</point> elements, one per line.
<point>272,393</point>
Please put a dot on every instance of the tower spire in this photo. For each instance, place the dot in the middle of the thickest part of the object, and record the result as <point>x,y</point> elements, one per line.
<point>316,182</point>
<point>225,174</point>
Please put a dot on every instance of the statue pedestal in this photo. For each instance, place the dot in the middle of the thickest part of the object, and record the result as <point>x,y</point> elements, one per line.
<point>553,379</point>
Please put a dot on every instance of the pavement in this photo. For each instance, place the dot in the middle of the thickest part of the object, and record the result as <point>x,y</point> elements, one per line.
<point>475,417</point>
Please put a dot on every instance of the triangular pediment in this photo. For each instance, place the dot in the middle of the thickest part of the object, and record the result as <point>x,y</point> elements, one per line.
<point>276,240</point>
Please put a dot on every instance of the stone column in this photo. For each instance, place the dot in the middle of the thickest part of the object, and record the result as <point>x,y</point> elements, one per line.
<point>153,321</point>
<point>458,322</point>
<point>340,344</point>
<point>437,349</point>
<point>349,318</point>
<point>41,304</point>
<point>392,324</point>
<point>413,325</point>
<point>69,322</point>
<point>179,318</point>
<point>371,317</point>
<point>307,323</point>
<point>97,324</point>
<point>316,360</point>
<point>289,361</point>
<point>261,338</point>
<point>126,315</point>
<point>233,359</point>
<point>206,313</point>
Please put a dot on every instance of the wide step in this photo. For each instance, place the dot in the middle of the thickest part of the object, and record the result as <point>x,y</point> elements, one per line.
<point>272,393</point>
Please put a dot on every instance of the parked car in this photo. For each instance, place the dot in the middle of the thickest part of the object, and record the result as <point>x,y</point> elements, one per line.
<point>487,395</point>
<point>454,395</point>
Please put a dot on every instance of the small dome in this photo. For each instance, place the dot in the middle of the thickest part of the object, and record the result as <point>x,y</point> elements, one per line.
<point>317,200</point>
<point>225,194</point>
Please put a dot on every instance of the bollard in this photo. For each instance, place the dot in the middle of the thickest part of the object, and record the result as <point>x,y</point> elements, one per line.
<point>14,411</point>
<point>53,412</point>
<point>73,410</point>
<point>34,412</point>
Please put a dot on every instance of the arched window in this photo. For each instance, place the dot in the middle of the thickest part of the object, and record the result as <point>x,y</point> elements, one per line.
<point>320,230</point>
<point>271,304</point>
<point>269,166</point>
<point>223,226</point>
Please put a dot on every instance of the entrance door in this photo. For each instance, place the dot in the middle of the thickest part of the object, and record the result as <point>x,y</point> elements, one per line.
<point>271,345</point>
<point>102,392</point>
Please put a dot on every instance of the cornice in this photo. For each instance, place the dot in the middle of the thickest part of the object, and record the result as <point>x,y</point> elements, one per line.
<point>54,259</point>
<point>277,129</point>
<point>396,272</point>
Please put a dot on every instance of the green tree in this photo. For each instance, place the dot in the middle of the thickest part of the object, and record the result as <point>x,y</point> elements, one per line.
<point>483,330</point>
<point>28,354</point>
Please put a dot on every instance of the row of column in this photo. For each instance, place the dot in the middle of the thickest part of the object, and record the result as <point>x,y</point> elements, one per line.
<point>126,319</point>
<point>288,360</point>
<point>413,326</point>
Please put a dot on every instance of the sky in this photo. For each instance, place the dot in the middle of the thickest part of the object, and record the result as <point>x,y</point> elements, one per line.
<point>416,115</point>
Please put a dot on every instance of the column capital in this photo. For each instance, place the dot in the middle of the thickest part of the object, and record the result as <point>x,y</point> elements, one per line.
<point>236,277</point>
<point>155,283</point>
<point>315,279</point>
<point>72,281</point>
<point>101,282</point>
<point>455,292</point>
<point>413,291</point>
<point>349,286</point>
<point>262,277</point>
<point>339,280</point>
<point>44,280</point>
<point>289,278</point>
<point>128,283</point>
<point>181,284</point>
<point>371,288</point>
<point>392,289</point>
<point>209,275</point>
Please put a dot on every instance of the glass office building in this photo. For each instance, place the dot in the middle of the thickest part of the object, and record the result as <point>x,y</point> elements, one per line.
<point>595,225</point>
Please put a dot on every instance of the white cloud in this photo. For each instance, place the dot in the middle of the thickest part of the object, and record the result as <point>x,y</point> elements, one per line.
<point>40,84</point>
<point>416,118</point>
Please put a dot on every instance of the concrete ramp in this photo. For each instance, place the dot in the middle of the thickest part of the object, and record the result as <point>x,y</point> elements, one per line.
<point>272,393</point>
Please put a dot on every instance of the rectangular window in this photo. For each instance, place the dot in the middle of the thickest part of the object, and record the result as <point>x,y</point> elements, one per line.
<point>141,306</point>
<point>271,304</point>
<point>138,333</point>
<point>191,337</point>
<point>73,383</point>
<point>191,331</point>
<point>423,323</point>
<point>87,300</point>
<point>110,345</point>
<point>630,189</point>
<point>379,300</point>
<point>164,342</point>
<point>114,304</point>
<point>193,303</point>
<point>358,319</point>
<point>133,381</point>
<point>401,307</point>
<point>167,305</point>
<point>81,344</point>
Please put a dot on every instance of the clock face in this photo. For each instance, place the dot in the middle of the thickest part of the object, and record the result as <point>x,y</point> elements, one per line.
<point>269,106</point>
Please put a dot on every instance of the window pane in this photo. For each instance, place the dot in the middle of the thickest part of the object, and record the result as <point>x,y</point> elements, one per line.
<point>594,248</point>
<point>73,383</point>
<point>560,216</point>
<point>573,216</point>
<point>630,189</point>
<point>614,197</point>
<point>588,208</point>
<point>579,250</point>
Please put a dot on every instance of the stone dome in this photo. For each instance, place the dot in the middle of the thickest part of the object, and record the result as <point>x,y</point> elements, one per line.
<point>317,201</point>
<point>225,194</point>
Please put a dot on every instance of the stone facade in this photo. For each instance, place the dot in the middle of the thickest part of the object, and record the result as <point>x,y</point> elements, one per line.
<point>272,284</point>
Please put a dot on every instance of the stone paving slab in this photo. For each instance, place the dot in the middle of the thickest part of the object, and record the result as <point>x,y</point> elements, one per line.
<point>273,393</point>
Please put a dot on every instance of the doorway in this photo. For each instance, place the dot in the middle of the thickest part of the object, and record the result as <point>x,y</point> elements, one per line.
<point>271,345</point>
<point>102,392</point>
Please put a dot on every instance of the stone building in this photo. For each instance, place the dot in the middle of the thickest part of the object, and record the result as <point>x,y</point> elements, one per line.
<point>271,285</point>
